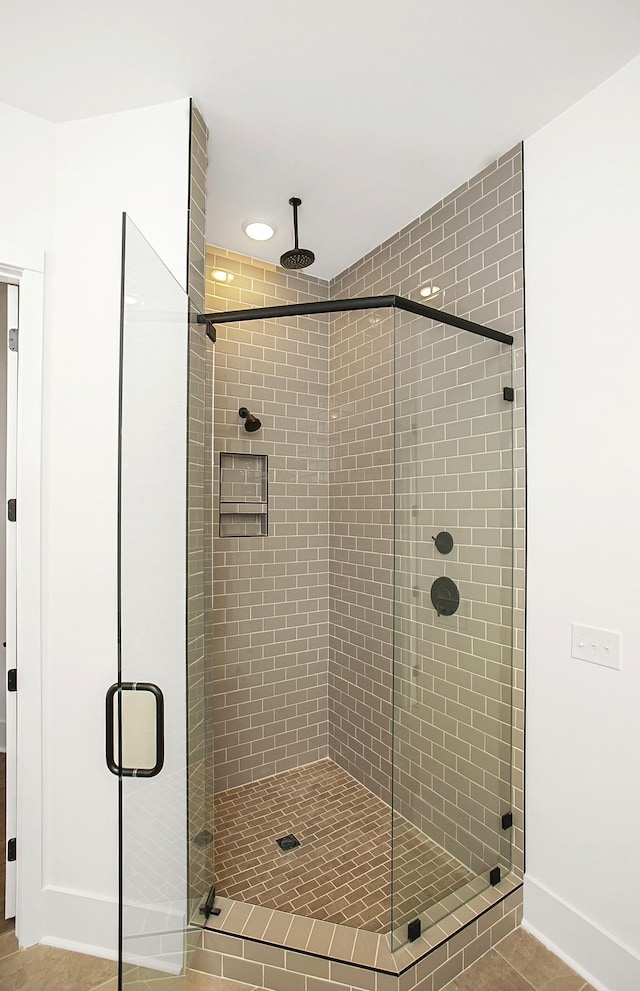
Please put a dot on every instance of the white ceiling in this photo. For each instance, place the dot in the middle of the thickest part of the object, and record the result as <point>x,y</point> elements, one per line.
<point>370,110</point>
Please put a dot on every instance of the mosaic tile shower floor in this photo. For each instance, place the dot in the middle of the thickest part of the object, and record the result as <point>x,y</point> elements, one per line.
<point>341,872</point>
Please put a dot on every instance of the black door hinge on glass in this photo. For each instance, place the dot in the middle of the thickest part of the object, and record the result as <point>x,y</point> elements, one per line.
<point>11,510</point>
<point>12,680</point>
<point>11,850</point>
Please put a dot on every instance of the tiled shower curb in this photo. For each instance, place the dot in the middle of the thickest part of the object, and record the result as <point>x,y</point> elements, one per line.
<point>282,952</point>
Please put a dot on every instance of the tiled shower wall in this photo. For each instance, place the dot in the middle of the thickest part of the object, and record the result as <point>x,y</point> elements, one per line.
<point>453,673</point>
<point>200,787</point>
<point>470,245</point>
<point>267,643</point>
<point>361,545</point>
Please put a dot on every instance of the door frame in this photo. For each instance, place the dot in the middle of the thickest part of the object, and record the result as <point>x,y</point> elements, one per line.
<point>24,266</point>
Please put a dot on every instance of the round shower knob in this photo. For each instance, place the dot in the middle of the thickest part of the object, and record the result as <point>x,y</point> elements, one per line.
<point>443,542</point>
<point>445,596</point>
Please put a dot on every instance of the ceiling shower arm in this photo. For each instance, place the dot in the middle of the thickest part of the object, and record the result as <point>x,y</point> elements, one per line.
<point>295,202</point>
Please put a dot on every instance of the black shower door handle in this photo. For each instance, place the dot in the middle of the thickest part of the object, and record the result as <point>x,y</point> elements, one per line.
<point>134,772</point>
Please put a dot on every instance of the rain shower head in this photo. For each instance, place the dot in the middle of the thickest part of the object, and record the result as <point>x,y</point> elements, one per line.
<point>251,422</point>
<point>296,257</point>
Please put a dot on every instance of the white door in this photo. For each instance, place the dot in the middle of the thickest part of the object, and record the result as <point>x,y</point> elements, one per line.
<point>11,649</point>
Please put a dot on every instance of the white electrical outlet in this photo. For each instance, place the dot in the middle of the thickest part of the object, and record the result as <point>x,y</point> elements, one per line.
<point>596,646</point>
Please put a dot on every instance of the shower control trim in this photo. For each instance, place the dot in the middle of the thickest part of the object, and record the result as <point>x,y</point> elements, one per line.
<point>445,596</point>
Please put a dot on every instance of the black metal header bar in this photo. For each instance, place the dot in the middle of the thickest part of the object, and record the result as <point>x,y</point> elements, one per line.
<point>359,303</point>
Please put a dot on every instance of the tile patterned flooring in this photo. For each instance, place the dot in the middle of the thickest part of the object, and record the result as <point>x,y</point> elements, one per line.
<point>341,872</point>
<point>518,963</point>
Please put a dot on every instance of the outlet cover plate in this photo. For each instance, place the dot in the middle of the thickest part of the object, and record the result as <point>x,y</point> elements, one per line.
<point>596,646</point>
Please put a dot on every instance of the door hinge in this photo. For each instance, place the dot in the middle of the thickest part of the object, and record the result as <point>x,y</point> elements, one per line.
<point>507,820</point>
<point>11,510</point>
<point>11,850</point>
<point>508,394</point>
<point>12,680</point>
<point>13,339</point>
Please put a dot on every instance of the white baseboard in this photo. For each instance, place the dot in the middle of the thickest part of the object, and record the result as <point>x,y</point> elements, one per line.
<point>73,920</point>
<point>598,956</point>
<point>88,924</point>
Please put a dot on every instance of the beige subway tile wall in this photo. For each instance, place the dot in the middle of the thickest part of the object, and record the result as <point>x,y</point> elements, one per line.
<point>267,640</point>
<point>200,811</point>
<point>453,673</point>
<point>455,437</point>
<point>361,544</point>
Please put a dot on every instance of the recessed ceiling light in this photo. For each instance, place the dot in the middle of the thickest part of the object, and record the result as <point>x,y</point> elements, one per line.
<point>259,230</point>
<point>221,276</point>
<point>428,292</point>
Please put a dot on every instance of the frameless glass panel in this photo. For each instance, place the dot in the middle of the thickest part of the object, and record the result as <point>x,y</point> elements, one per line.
<point>452,619</point>
<point>158,702</point>
<point>323,575</point>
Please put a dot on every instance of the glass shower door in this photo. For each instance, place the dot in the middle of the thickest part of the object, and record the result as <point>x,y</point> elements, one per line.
<point>451,831</point>
<point>155,710</point>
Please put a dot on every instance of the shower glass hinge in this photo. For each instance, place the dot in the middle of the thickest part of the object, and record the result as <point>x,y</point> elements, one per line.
<point>12,510</point>
<point>207,908</point>
<point>507,820</point>
<point>494,876</point>
<point>12,680</point>
<point>13,339</point>
<point>508,394</point>
<point>11,849</point>
<point>413,930</point>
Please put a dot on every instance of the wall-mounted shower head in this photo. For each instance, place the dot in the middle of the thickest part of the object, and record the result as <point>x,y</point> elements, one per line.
<point>296,258</point>
<point>251,422</point>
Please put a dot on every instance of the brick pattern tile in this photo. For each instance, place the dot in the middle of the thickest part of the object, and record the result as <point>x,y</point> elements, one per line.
<point>341,872</point>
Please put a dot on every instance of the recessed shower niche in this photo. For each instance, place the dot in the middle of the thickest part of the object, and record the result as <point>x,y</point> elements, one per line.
<point>244,495</point>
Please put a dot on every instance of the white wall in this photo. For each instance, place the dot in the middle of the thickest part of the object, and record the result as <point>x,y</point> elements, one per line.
<point>135,162</point>
<point>582,218</point>
<point>63,189</point>
<point>26,177</point>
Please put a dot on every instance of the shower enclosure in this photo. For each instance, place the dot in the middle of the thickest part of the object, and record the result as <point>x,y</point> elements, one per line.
<point>313,703</point>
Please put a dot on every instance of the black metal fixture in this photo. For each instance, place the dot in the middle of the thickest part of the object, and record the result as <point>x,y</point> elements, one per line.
<point>251,422</point>
<point>112,708</point>
<point>208,908</point>
<point>445,596</point>
<point>288,842</point>
<point>443,542</point>
<point>204,837</point>
<point>344,306</point>
<point>414,930</point>
<point>494,876</point>
<point>296,257</point>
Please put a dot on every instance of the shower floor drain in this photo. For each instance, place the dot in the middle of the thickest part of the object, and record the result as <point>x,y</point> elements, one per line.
<point>288,842</point>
